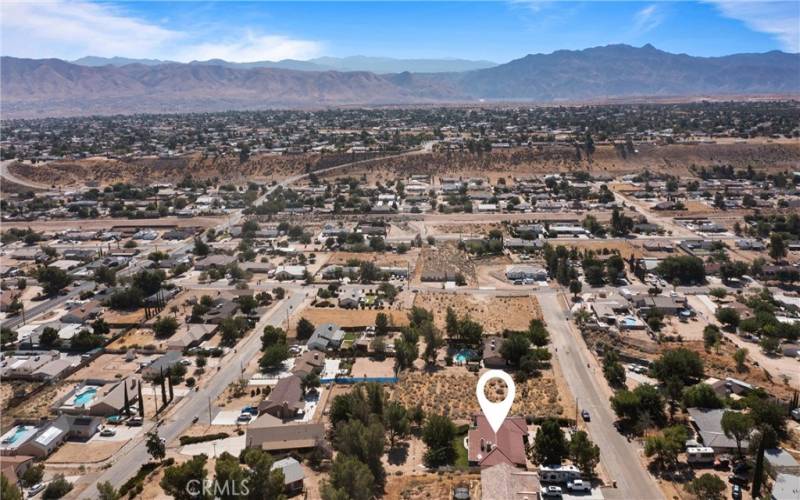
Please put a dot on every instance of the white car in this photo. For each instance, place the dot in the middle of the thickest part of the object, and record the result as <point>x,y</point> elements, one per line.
<point>35,489</point>
<point>107,432</point>
<point>579,485</point>
<point>551,491</point>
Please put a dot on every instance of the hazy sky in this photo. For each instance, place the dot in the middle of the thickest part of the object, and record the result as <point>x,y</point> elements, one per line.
<point>497,31</point>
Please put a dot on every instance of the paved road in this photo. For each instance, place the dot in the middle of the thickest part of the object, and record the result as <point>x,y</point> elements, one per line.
<point>47,305</point>
<point>619,457</point>
<point>195,403</point>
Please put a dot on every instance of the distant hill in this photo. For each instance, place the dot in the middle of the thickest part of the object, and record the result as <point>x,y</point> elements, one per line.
<point>623,71</point>
<point>353,63</point>
<point>47,87</point>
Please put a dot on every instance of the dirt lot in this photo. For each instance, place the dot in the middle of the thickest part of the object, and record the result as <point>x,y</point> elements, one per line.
<point>494,313</point>
<point>135,338</point>
<point>381,259</point>
<point>430,486</point>
<point>106,367</point>
<point>352,317</point>
<point>365,367</point>
<point>85,453</point>
<point>624,248</point>
<point>434,262</point>
<point>444,392</point>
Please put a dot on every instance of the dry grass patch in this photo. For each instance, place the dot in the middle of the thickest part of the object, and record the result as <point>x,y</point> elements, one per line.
<point>494,313</point>
<point>352,317</point>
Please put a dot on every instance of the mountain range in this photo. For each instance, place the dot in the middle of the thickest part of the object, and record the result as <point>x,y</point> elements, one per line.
<point>53,87</point>
<point>352,63</point>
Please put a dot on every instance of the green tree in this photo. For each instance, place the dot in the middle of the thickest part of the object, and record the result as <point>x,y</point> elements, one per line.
<point>711,336</point>
<point>613,370</point>
<point>156,448</point>
<point>105,491</point>
<point>707,487</point>
<point>681,364</point>
<point>685,269</point>
<point>263,482</point>
<point>777,246</point>
<point>406,352</point>
<point>228,472</point>
<point>666,446</point>
<point>549,446</point>
<point>381,324</point>
<point>575,288</point>
<point>201,248</point>
<point>728,317</point>
<point>701,396</point>
<point>470,332</point>
<point>537,333</point>
<point>438,435</point>
<point>451,324</point>
<point>53,280</point>
<point>305,329</point>
<point>395,418</point>
<point>273,357</point>
<point>737,426</point>
<point>350,479</point>
<point>183,482</point>
<point>433,341</point>
<point>48,338</point>
<point>32,476</point>
<point>584,453</point>
<point>57,488</point>
<point>165,326</point>
<point>9,491</point>
<point>363,442</point>
<point>740,356</point>
<point>514,348</point>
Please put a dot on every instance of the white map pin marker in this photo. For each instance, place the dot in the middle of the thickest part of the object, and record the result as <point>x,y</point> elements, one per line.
<point>496,413</point>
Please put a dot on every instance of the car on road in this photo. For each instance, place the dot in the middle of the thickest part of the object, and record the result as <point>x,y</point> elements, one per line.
<point>108,432</point>
<point>135,422</point>
<point>551,491</point>
<point>35,489</point>
<point>736,492</point>
<point>586,416</point>
<point>579,485</point>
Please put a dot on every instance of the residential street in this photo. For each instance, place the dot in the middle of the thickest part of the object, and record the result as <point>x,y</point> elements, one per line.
<point>196,403</point>
<point>619,457</point>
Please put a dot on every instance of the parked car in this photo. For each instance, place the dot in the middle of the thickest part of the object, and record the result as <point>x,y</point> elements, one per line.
<point>35,489</point>
<point>135,422</point>
<point>736,492</point>
<point>108,432</point>
<point>585,415</point>
<point>579,485</point>
<point>552,491</point>
<point>244,418</point>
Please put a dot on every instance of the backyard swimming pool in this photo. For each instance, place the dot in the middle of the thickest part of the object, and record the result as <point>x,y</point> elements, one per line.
<point>464,355</point>
<point>85,397</point>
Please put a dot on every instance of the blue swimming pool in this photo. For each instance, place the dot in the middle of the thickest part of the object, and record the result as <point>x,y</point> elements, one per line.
<point>464,355</point>
<point>17,433</point>
<point>85,397</point>
<point>629,321</point>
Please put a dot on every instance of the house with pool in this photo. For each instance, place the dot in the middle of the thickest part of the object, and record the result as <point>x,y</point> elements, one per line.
<point>98,398</point>
<point>43,440</point>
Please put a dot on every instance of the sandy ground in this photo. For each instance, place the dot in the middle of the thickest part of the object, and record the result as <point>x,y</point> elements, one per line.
<point>382,259</point>
<point>366,367</point>
<point>430,486</point>
<point>352,317</point>
<point>108,367</point>
<point>78,453</point>
<point>443,391</point>
<point>494,313</point>
<point>138,337</point>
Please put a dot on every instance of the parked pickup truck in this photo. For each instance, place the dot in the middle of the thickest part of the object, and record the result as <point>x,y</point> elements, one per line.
<point>579,485</point>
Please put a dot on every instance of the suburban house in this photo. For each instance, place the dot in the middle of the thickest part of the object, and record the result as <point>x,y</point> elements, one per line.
<point>522,272</point>
<point>326,336</point>
<point>162,364</point>
<point>708,424</point>
<point>190,335</point>
<point>290,272</point>
<point>350,299</point>
<point>309,362</point>
<point>285,400</point>
<point>212,261</point>
<point>664,304</point>
<point>271,434</point>
<point>487,448</point>
<point>14,467</point>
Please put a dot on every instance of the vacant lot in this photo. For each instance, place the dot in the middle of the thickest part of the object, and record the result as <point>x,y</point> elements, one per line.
<point>494,313</point>
<point>431,486</point>
<point>444,260</point>
<point>85,453</point>
<point>107,367</point>
<point>451,392</point>
<point>352,317</point>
